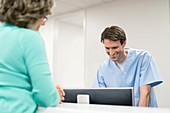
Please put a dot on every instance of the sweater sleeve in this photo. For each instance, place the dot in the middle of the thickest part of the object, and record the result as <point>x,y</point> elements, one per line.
<point>43,89</point>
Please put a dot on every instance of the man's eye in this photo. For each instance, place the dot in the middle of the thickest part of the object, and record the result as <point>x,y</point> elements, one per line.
<point>114,47</point>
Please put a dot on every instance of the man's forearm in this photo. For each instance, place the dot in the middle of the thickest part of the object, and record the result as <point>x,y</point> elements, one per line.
<point>144,96</point>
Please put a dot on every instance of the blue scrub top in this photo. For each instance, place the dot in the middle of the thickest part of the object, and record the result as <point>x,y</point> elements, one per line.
<point>139,70</point>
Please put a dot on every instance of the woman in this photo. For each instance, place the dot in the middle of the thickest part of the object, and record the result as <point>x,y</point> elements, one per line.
<point>25,78</point>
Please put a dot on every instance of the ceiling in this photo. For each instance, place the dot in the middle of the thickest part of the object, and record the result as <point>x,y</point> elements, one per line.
<point>67,6</point>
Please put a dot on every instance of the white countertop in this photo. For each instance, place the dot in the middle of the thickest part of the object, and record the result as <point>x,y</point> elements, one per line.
<point>91,108</point>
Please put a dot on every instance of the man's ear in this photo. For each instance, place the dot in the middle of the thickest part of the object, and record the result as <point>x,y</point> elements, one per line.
<point>124,44</point>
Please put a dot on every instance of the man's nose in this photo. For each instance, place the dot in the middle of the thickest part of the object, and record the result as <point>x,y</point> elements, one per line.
<point>111,51</point>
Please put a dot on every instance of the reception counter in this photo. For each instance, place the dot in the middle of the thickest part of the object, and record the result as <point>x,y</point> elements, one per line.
<point>90,108</point>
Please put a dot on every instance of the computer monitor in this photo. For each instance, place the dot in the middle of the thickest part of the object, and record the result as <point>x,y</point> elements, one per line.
<point>105,96</point>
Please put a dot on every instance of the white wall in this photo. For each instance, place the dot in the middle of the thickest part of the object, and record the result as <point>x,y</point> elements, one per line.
<point>47,32</point>
<point>69,55</point>
<point>146,23</point>
<point>64,43</point>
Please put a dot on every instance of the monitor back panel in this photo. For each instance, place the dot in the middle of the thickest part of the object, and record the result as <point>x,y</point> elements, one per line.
<point>102,96</point>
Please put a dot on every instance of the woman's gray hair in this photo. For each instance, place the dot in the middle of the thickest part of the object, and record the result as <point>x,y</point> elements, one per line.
<point>24,13</point>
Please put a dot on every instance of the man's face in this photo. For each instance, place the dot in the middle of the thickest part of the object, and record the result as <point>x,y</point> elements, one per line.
<point>114,49</point>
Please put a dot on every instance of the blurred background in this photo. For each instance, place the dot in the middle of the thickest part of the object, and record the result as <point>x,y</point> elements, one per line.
<point>72,38</point>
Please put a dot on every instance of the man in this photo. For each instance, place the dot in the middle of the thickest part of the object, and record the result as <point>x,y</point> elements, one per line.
<point>128,67</point>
